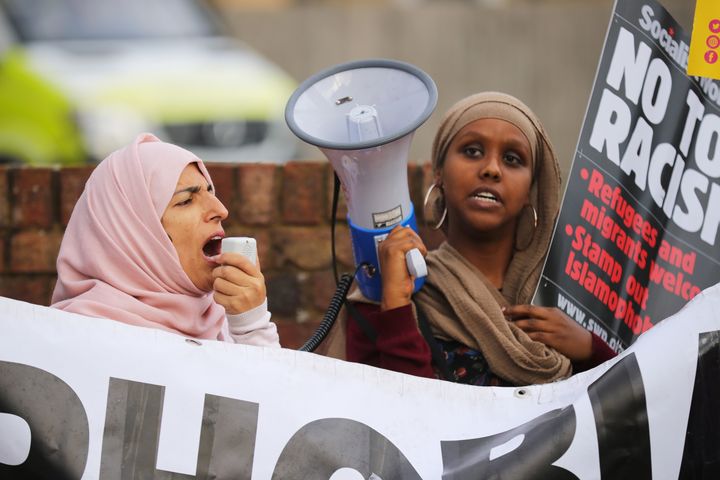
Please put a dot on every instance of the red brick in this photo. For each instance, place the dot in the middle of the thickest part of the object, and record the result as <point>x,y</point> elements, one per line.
<point>2,253</point>
<point>34,251</point>
<point>257,194</point>
<point>293,335</point>
<point>342,210</point>
<point>4,196</point>
<point>35,289</point>
<point>72,184</point>
<point>304,247</point>
<point>223,177</point>
<point>284,293</point>
<point>303,193</point>
<point>264,248</point>
<point>32,197</point>
<point>323,288</point>
<point>343,248</point>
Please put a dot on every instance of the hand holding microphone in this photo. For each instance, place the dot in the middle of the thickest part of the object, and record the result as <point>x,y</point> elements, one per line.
<point>398,273</point>
<point>245,246</point>
<point>239,284</point>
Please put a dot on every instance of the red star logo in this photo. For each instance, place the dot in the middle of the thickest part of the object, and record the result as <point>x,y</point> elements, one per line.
<point>671,31</point>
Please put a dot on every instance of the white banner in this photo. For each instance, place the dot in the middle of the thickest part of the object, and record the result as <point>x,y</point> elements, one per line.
<point>89,398</point>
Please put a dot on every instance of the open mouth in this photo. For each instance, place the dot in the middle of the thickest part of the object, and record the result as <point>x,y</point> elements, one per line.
<point>212,247</point>
<point>486,197</point>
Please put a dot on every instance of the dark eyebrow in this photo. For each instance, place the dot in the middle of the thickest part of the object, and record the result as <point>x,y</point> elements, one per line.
<point>193,189</point>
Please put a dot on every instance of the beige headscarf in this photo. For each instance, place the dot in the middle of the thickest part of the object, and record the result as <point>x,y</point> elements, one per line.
<point>524,270</point>
<point>460,303</point>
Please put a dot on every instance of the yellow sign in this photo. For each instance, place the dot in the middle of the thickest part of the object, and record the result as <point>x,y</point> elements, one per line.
<point>703,60</point>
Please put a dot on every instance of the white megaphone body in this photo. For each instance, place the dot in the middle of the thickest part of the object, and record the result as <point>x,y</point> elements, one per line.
<point>362,115</point>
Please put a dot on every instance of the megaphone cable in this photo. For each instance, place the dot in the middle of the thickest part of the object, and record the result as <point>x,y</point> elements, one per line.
<point>336,303</point>
<point>339,298</point>
<point>342,284</point>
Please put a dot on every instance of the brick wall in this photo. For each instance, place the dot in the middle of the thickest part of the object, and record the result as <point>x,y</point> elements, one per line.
<point>287,208</point>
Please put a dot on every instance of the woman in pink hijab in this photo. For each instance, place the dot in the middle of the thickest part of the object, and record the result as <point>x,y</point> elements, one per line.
<point>143,247</point>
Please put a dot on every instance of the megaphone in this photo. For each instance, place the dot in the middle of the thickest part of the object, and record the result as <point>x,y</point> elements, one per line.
<point>362,115</point>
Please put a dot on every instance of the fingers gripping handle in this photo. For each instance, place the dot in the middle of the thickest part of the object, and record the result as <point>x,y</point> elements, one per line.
<point>245,246</point>
<point>415,263</point>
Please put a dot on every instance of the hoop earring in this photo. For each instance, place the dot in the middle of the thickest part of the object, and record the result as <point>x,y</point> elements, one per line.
<point>535,218</point>
<point>425,202</point>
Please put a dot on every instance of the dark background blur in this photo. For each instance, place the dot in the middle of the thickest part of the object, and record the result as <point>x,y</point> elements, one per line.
<point>545,52</point>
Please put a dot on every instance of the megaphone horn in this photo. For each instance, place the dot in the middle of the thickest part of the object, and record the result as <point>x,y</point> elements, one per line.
<point>362,115</point>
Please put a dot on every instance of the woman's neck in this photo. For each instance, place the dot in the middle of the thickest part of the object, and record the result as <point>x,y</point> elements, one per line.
<point>489,255</point>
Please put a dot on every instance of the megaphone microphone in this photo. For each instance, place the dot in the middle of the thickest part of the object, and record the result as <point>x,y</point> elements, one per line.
<point>362,115</point>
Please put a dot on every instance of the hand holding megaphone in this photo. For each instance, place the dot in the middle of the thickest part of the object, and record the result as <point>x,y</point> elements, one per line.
<point>416,263</point>
<point>362,115</point>
<point>401,258</point>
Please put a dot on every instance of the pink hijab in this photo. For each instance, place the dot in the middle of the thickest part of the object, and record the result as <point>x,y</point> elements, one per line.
<point>117,262</point>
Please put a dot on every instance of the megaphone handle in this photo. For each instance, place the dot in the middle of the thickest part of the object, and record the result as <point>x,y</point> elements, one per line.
<point>416,263</point>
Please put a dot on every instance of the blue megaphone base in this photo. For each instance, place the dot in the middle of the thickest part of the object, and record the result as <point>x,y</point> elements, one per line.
<point>365,247</point>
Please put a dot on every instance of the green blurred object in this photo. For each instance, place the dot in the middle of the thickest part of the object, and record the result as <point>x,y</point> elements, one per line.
<point>36,122</point>
<point>81,78</point>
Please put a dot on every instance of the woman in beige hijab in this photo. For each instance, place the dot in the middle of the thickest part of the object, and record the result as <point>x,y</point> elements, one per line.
<point>496,197</point>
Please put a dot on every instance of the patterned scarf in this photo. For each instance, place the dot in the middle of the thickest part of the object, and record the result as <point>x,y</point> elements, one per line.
<point>462,305</point>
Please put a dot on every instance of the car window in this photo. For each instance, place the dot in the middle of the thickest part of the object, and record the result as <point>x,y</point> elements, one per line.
<point>51,20</point>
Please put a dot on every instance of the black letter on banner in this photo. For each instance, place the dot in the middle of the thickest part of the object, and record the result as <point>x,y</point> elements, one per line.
<point>324,446</point>
<point>618,403</point>
<point>58,423</point>
<point>701,458</point>
<point>132,430</point>
<point>547,438</point>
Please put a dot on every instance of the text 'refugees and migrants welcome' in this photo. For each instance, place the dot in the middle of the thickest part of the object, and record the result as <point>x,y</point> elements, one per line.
<point>637,232</point>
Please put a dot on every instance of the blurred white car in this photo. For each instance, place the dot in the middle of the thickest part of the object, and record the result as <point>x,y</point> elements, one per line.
<point>80,78</point>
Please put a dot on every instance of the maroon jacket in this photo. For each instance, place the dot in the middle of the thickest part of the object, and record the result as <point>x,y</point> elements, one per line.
<point>400,346</point>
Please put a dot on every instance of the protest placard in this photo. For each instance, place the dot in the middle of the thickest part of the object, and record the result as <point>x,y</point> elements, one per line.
<point>637,233</point>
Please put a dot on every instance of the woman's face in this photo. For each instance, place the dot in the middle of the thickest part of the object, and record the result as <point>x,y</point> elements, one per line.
<point>486,179</point>
<point>192,220</point>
